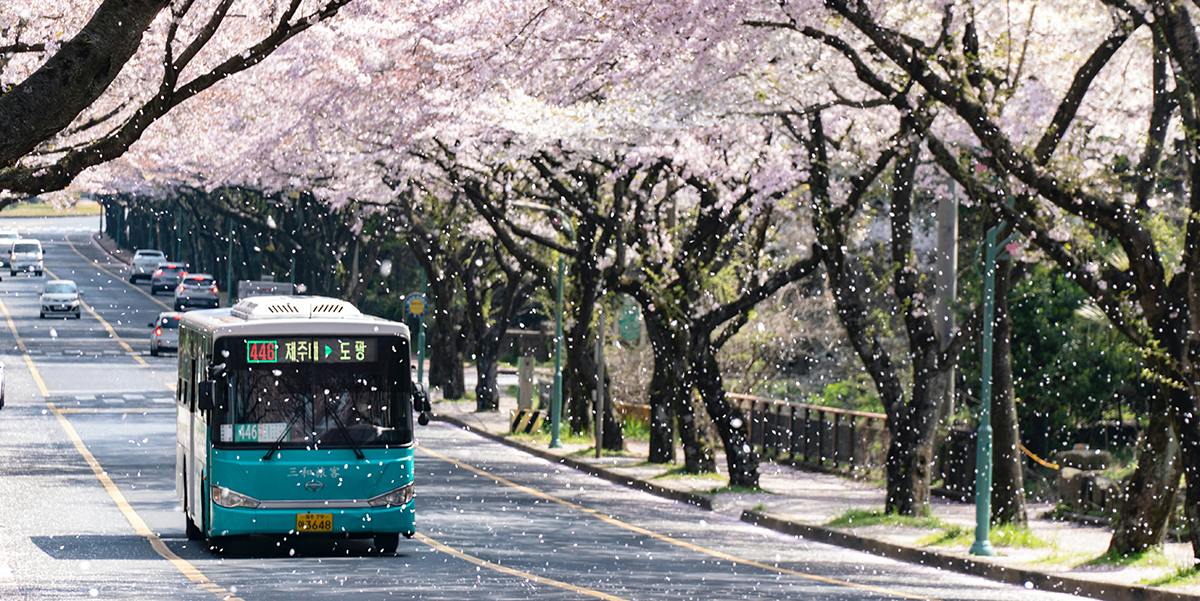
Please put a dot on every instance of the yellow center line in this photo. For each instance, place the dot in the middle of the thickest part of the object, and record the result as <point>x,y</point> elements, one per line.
<point>667,539</point>
<point>97,265</point>
<point>12,327</point>
<point>37,377</point>
<point>139,526</point>
<point>511,572</point>
<point>111,332</point>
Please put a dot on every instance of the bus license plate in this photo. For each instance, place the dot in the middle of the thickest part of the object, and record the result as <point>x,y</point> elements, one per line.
<point>314,522</point>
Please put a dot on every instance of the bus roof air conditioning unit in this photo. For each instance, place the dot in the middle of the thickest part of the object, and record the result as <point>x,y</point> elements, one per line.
<point>282,307</point>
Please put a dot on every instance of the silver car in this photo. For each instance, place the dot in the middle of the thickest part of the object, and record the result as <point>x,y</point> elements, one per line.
<point>26,255</point>
<point>167,277</point>
<point>61,297</point>
<point>165,334</point>
<point>7,237</point>
<point>145,261</point>
<point>196,290</point>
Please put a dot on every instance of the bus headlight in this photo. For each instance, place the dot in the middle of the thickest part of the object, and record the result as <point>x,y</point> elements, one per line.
<point>395,498</point>
<point>227,498</point>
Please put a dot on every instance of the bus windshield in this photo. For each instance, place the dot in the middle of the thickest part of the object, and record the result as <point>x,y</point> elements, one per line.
<point>311,406</point>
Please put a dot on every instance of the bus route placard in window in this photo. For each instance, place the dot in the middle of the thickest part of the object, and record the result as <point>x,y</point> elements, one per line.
<point>311,350</point>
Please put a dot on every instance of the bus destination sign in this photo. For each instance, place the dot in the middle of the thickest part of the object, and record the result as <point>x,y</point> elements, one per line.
<point>311,350</point>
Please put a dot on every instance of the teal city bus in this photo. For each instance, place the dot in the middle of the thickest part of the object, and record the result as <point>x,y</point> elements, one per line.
<point>295,416</point>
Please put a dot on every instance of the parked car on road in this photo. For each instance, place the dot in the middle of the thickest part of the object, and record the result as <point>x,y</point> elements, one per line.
<point>166,332</point>
<point>196,290</point>
<point>7,237</point>
<point>167,277</point>
<point>26,255</point>
<point>61,297</point>
<point>145,261</point>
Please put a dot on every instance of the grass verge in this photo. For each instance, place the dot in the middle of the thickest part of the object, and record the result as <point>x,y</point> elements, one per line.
<point>1006,535</point>
<point>739,490</point>
<point>1114,559</point>
<point>41,209</point>
<point>678,473</point>
<point>1183,575</point>
<point>543,437</point>
<point>591,452</point>
<point>858,518</point>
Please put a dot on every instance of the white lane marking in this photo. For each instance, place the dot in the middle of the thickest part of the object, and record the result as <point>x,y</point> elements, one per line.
<point>162,400</point>
<point>85,397</point>
<point>112,401</point>
<point>6,572</point>
<point>133,397</point>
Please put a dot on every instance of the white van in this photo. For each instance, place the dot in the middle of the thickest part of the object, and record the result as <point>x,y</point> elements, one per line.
<point>26,255</point>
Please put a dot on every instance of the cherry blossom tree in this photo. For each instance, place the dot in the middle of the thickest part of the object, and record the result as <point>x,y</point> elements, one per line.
<point>83,101</point>
<point>1061,140</point>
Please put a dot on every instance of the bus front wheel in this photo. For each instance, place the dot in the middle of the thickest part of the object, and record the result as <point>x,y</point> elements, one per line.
<point>387,543</point>
<point>193,532</point>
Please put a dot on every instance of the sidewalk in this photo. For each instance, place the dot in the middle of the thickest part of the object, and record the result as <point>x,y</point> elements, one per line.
<point>801,503</point>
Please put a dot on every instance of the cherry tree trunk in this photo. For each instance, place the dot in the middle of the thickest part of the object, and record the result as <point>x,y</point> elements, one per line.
<point>579,378</point>
<point>695,434</point>
<point>1008,477</point>
<point>662,412</point>
<point>669,387</point>
<point>1189,451</point>
<point>487,393</point>
<point>910,458</point>
<point>614,437</point>
<point>445,356</point>
<point>1151,491</point>
<point>731,425</point>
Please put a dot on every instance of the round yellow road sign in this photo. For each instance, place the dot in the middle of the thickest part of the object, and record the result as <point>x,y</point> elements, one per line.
<point>415,304</point>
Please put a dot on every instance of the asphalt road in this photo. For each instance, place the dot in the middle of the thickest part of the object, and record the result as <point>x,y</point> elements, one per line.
<point>88,509</point>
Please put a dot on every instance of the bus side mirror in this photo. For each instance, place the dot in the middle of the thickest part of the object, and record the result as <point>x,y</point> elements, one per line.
<point>204,395</point>
<point>421,403</point>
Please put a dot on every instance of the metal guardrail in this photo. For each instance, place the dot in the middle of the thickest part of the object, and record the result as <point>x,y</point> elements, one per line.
<point>815,435</point>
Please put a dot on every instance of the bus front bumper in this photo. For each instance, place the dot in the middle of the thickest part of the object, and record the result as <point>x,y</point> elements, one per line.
<point>237,521</point>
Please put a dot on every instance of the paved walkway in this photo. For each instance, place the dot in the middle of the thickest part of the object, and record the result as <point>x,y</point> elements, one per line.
<point>802,502</point>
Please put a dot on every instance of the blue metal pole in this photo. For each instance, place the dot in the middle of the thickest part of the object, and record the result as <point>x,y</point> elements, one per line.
<point>983,449</point>
<point>421,336</point>
<point>556,404</point>
<point>232,286</point>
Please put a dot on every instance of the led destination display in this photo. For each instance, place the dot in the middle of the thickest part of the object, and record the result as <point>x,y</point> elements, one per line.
<point>311,350</point>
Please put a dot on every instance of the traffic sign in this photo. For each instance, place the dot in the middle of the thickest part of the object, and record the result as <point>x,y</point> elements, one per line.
<point>629,323</point>
<point>415,304</point>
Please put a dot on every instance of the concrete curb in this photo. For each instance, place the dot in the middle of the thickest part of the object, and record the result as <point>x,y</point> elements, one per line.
<point>701,501</point>
<point>1008,575</point>
<point>96,241</point>
<point>944,561</point>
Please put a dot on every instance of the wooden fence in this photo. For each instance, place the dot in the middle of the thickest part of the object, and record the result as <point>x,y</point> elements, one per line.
<point>810,435</point>
<point>813,435</point>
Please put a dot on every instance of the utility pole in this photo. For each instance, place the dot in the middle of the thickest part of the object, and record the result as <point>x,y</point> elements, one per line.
<point>947,270</point>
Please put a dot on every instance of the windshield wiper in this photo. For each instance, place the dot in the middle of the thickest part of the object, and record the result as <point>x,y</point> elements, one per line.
<point>346,433</point>
<point>283,435</point>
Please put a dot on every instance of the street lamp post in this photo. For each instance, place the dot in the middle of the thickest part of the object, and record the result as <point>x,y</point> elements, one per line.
<point>983,450</point>
<point>556,399</point>
<point>232,287</point>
